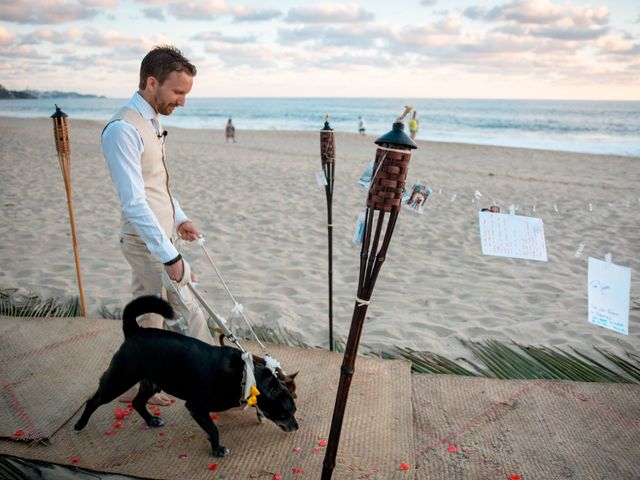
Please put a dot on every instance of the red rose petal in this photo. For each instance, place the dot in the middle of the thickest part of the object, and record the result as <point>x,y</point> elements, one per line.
<point>19,433</point>
<point>452,448</point>
<point>118,425</point>
<point>119,414</point>
<point>213,466</point>
<point>75,459</point>
<point>213,416</point>
<point>316,450</point>
<point>129,404</point>
<point>297,470</point>
<point>182,456</point>
<point>376,469</point>
<point>404,466</point>
<point>111,432</point>
<point>322,443</point>
<point>297,449</point>
<point>161,434</point>
<point>277,476</point>
<point>514,476</point>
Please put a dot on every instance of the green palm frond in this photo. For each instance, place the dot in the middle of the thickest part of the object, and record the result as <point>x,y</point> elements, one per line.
<point>15,304</point>
<point>493,359</point>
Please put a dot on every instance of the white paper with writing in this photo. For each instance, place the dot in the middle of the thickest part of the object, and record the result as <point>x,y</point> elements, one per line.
<point>514,236</point>
<point>609,288</point>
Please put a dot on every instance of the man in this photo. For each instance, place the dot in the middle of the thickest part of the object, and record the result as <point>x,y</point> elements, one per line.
<point>133,146</point>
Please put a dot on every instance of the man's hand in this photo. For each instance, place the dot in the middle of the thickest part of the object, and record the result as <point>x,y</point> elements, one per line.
<point>188,231</point>
<point>175,271</point>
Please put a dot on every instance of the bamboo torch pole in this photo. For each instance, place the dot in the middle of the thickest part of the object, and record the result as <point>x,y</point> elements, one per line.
<point>61,135</point>
<point>328,157</point>
<point>383,206</point>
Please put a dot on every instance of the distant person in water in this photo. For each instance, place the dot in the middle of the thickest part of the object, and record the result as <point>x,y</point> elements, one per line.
<point>414,125</point>
<point>361,127</point>
<point>230,131</point>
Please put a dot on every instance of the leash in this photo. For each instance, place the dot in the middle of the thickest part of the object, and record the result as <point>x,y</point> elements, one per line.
<point>270,362</point>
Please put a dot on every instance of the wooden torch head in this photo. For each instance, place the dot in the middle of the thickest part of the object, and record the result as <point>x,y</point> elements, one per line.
<point>327,143</point>
<point>391,166</point>
<point>61,132</point>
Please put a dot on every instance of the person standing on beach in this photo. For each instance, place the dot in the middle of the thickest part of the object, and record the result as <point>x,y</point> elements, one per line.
<point>361,127</point>
<point>230,131</point>
<point>133,146</point>
<point>414,124</point>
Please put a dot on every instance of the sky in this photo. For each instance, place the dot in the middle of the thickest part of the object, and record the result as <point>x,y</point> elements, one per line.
<point>536,49</point>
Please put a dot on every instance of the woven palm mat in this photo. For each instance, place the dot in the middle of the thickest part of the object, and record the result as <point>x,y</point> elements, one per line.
<point>470,428</point>
<point>48,370</point>
<point>376,436</point>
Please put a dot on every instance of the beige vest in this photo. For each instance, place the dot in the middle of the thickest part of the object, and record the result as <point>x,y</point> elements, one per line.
<point>154,173</point>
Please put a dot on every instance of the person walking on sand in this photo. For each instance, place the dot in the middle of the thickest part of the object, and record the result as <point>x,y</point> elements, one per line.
<point>230,131</point>
<point>361,127</point>
<point>133,146</point>
<point>414,125</point>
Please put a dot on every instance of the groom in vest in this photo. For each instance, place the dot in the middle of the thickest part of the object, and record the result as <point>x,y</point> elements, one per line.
<point>133,146</point>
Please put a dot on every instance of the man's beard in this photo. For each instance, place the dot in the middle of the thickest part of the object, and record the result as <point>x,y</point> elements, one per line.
<point>163,107</point>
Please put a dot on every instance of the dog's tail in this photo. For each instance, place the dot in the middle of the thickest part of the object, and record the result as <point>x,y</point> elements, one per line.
<point>140,306</point>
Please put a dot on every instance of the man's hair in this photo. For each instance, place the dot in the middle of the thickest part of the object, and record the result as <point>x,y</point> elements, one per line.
<point>161,61</point>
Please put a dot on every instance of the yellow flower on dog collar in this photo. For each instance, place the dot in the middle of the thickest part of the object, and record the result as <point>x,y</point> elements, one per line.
<point>252,400</point>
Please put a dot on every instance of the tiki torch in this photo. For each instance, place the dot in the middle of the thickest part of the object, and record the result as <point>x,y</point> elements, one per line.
<point>328,157</point>
<point>384,203</point>
<point>61,135</point>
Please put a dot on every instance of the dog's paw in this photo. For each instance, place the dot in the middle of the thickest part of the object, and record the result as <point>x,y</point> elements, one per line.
<point>78,426</point>
<point>220,451</point>
<point>155,422</point>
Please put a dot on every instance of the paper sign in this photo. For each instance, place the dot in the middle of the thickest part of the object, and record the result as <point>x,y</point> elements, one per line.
<point>609,292</point>
<point>514,236</point>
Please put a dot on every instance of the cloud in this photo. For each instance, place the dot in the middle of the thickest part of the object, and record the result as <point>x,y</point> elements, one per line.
<point>541,18</point>
<point>570,33</point>
<point>51,11</point>
<point>249,15</point>
<point>153,13</point>
<point>220,37</point>
<point>52,36</point>
<point>428,2</point>
<point>200,10</point>
<point>249,55</point>
<point>365,37</point>
<point>329,13</point>
<point>22,52</point>
<point>6,37</point>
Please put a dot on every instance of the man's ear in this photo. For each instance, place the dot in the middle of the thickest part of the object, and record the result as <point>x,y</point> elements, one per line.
<point>152,84</point>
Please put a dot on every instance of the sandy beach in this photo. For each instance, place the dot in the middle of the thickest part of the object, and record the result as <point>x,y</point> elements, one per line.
<point>264,219</point>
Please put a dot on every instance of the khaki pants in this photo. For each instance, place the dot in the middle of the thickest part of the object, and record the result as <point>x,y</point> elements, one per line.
<point>146,279</point>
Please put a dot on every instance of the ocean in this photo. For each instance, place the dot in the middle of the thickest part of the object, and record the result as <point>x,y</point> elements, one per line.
<point>600,127</point>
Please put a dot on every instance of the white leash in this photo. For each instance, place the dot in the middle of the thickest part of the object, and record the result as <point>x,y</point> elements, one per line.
<point>270,362</point>
<point>237,307</point>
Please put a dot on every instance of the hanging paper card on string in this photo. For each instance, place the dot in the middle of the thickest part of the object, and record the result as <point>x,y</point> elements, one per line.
<point>321,179</point>
<point>365,178</point>
<point>609,292</point>
<point>514,236</point>
<point>358,232</point>
<point>417,198</point>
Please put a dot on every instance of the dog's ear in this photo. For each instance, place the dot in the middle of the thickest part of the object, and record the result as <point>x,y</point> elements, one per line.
<point>293,375</point>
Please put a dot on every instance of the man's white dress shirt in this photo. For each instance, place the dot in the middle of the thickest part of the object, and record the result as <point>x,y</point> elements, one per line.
<point>123,147</point>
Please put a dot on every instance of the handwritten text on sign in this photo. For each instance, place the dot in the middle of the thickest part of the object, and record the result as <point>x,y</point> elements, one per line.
<point>609,289</point>
<point>514,236</point>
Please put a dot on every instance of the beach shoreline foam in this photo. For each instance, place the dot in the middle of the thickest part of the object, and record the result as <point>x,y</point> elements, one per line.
<point>264,219</point>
